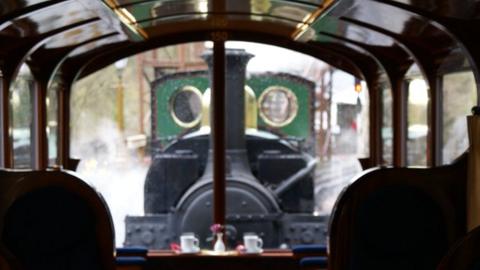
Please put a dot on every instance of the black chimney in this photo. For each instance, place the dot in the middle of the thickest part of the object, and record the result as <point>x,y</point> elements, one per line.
<point>236,156</point>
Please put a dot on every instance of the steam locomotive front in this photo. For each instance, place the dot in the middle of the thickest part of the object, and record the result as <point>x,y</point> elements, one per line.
<point>179,184</point>
<point>250,206</point>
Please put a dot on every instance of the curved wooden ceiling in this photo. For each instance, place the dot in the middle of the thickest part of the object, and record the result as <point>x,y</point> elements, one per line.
<point>369,38</point>
<point>78,37</point>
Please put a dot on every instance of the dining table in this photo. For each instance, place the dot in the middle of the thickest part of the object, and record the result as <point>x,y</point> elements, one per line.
<point>268,259</point>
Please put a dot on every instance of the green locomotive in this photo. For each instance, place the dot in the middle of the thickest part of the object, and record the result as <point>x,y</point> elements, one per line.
<point>269,161</point>
<point>279,103</point>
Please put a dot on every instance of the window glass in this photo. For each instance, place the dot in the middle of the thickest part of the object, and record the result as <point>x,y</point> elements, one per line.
<point>295,130</point>
<point>294,11</point>
<point>278,106</point>
<point>123,125</point>
<point>186,106</point>
<point>459,96</point>
<point>100,130</point>
<point>152,13</point>
<point>387,118</point>
<point>327,123</point>
<point>417,122</point>
<point>21,106</point>
<point>52,121</point>
<point>166,9</point>
<point>343,136</point>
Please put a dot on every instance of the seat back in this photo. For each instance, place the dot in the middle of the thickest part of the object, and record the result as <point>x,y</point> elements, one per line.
<point>5,264</point>
<point>53,220</point>
<point>465,254</point>
<point>7,261</point>
<point>398,218</point>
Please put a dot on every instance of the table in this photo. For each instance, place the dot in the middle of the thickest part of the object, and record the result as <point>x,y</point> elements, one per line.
<point>268,260</point>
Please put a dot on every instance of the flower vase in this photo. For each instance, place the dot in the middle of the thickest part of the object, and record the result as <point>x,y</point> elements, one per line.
<point>219,245</point>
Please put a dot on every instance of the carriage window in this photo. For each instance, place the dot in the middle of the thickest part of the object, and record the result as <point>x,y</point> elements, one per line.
<point>387,118</point>
<point>125,120</point>
<point>21,108</point>
<point>294,136</point>
<point>417,122</point>
<point>459,96</point>
<point>105,136</point>
<point>343,138</point>
<point>52,120</point>
<point>312,128</point>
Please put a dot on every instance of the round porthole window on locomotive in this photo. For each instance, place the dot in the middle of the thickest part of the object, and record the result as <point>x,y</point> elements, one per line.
<point>278,106</point>
<point>186,106</point>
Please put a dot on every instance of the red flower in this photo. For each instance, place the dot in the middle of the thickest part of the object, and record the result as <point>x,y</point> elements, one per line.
<point>240,249</point>
<point>175,247</point>
<point>216,228</point>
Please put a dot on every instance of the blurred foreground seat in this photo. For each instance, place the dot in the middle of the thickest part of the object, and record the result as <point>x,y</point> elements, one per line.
<point>7,261</point>
<point>398,218</point>
<point>465,254</point>
<point>52,220</point>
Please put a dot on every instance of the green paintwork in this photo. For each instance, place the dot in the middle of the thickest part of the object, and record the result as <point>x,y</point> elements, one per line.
<point>300,128</point>
<point>167,129</point>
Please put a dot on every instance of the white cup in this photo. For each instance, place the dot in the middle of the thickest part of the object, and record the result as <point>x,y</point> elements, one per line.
<point>252,243</point>
<point>189,243</point>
